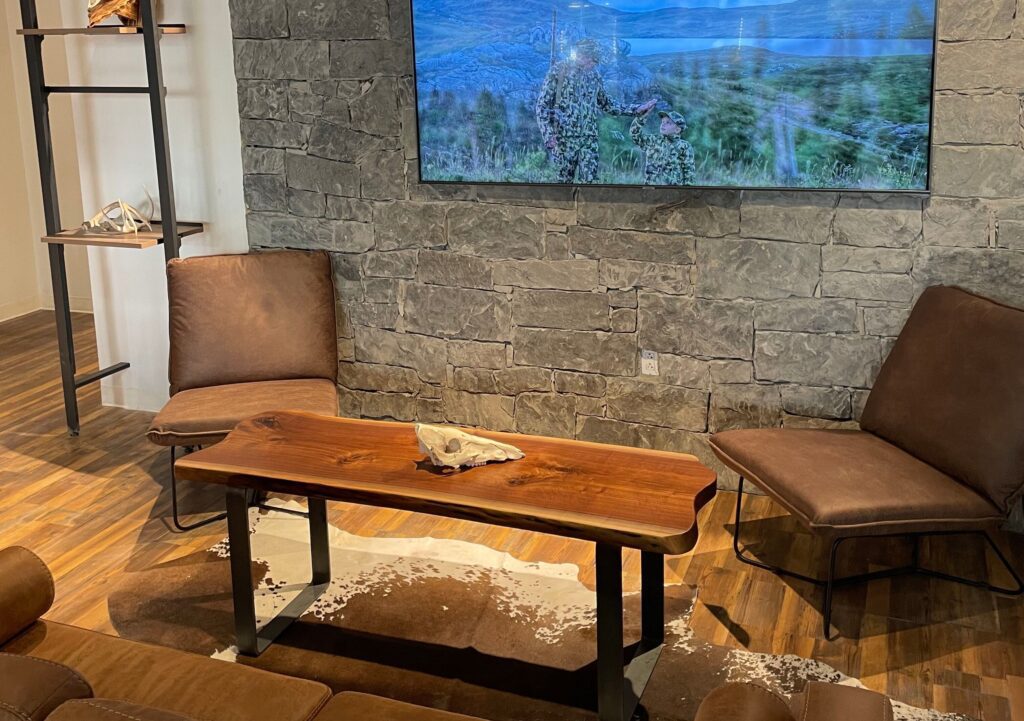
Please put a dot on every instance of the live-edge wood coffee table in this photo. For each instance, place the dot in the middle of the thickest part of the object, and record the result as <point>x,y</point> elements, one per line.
<point>614,496</point>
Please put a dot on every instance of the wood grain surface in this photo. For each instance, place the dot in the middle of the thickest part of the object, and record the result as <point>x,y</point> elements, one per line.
<point>625,496</point>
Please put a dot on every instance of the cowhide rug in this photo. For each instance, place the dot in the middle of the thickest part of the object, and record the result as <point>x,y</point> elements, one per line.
<point>442,623</point>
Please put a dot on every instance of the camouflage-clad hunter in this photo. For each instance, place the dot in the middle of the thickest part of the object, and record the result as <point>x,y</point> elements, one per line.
<point>669,158</point>
<point>567,112</point>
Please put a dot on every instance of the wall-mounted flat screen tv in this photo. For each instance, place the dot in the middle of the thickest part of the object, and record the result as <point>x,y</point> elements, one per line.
<point>816,94</point>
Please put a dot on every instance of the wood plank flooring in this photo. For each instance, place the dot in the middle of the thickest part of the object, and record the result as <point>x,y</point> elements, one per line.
<point>95,505</point>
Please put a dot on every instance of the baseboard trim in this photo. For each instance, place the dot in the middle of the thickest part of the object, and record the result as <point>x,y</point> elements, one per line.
<point>78,305</point>
<point>18,308</point>
<point>81,304</point>
<point>130,398</point>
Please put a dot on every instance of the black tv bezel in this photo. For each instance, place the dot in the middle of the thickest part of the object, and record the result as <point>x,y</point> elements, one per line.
<point>926,191</point>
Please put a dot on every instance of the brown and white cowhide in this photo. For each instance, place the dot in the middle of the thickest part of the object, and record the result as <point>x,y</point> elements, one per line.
<point>443,623</point>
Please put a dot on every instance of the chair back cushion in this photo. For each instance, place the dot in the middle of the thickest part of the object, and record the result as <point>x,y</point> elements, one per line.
<point>952,391</point>
<point>256,317</point>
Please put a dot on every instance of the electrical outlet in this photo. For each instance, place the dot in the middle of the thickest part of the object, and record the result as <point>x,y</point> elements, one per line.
<point>648,363</point>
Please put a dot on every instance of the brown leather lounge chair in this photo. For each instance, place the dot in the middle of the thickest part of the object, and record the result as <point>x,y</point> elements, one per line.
<point>941,450</point>
<point>817,702</point>
<point>249,334</point>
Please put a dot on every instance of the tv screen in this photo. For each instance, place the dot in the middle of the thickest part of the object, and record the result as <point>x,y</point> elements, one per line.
<point>821,94</point>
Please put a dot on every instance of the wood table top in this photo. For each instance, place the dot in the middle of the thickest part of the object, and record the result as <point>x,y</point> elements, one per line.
<point>630,497</point>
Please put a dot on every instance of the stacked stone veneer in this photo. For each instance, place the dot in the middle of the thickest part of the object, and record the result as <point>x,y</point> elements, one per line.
<point>526,308</point>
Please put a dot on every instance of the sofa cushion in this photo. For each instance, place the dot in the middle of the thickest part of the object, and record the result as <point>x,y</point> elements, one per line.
<point>952,391</point>
<point>31,688</point>
<point>196,686</point>
<point>203,416</point>
<point>743,702</point>
<point>254,317</point>
<point>22,603</point>
<point>363,707</point>
<point>101,709</point>
<point>852,482</point>
<point>827,701</point>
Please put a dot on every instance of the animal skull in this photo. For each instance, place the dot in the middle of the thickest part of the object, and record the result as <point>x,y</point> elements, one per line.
<point>452,448</point>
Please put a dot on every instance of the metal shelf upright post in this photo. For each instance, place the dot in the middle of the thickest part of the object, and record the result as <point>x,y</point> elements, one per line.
<point>168,232</point>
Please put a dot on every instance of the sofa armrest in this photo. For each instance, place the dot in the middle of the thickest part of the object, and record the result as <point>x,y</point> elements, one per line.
<point>26,591</point>
<point>743,702</point>
<point>831,701</point>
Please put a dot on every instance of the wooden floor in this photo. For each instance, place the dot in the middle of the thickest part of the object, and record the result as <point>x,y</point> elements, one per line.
<point>94,505</point>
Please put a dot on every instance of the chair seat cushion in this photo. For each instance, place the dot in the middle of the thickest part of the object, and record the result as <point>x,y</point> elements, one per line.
<point>30,688</point>
<point>203,416</point>
<point>351,706</point>
<point>102,709</point>
<point>188,684</point>
<point>821,701</point>
<point>852,482</point>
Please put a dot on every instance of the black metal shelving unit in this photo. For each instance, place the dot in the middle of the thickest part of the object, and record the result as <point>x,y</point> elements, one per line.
<point>168,231</point>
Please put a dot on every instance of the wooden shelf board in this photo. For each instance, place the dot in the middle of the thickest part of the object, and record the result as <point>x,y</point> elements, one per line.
<point>174,29</point>
<point>142,239</point>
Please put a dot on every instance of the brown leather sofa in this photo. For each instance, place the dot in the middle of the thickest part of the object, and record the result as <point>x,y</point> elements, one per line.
<point>941,449</point>
<point>248,334</point>
<point>57,672</point>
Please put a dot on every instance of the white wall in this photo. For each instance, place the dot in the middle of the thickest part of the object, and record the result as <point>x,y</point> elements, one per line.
<point>19,292</point>
<point>24,268</point>
<point>115,155</point>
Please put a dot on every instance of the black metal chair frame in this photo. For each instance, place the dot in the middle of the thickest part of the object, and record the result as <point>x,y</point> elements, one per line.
<point>254,501</point>
<point>830,583</point>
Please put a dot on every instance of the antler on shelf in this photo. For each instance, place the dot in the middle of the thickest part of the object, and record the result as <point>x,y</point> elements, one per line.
<point>127,11</point>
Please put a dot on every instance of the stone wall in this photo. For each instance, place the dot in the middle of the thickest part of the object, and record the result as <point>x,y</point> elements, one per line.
<point>526,308</point>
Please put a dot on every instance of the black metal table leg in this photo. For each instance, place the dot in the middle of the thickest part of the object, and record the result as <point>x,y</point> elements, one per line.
<point>610,687</point>
<point>652,596</point>
<point>241,571</point>
<point>318,541</point>
<point>620,687</point>
<point>253,641</point>
<point>652,624</point>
